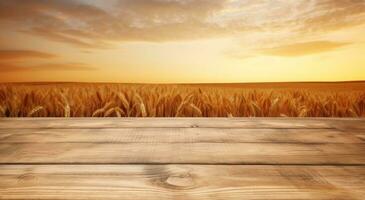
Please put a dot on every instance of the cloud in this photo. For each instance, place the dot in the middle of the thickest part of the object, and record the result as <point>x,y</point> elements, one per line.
<point>88,26</point>
<point>12,61</point>
<point>96,24</point>
<point>171,10</point>
<point>328,15</point>
<point>302,49</point>
<point>64,37</point>
<point>63,67</point>
<point>23,54</point>
<point>10,67</point>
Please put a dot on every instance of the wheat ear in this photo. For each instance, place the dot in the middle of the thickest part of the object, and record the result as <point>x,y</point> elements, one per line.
<point>35,110</point>
<point>142,107</point>
<point>124,100</point>
<point>196,109</point>
<point>66,107</point>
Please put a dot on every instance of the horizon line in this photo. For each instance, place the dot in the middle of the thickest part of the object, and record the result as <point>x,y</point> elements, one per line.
<point>185,83</point>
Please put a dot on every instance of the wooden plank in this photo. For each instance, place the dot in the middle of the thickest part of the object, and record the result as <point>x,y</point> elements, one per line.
<point>196,182</point>
<point>340,123</point>
<point>183,153</point>
<point>180,135</point>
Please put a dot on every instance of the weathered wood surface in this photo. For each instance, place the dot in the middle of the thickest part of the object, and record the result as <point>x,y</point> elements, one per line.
<point>275,123</point>
<point>183,153</point>
<point>180,135</point>
<point>185,158</point>
<point>142,182</point>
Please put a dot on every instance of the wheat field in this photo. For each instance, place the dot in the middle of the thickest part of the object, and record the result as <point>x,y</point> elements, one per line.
<point>215,100</point>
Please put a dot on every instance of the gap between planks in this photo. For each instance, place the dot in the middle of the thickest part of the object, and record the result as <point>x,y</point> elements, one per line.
<point>181,135</point>
<point>321,168</point>
<point>339,123</point>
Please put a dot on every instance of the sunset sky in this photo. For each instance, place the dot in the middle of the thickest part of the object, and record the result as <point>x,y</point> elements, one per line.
<point>182,41</point>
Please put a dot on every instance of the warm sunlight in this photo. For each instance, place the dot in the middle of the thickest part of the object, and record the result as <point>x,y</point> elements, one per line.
<point>182,99</point>
<point>154,41</point>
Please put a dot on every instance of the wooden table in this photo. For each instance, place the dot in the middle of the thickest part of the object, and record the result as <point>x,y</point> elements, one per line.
<point>184,158</point>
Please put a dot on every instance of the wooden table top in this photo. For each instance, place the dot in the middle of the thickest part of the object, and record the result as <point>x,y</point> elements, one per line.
<point>182,158</point>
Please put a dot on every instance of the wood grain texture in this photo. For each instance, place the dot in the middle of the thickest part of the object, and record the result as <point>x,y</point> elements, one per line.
<point>182,182</point>
<point>339,123</point>
<point>183,153</point>
<point>180,135</point>
<point>184,158</point>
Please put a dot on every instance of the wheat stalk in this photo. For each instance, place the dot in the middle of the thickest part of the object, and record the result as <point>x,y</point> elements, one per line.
<point>2,111</point>
<point>303,112</point>
<point>124,100</point>
<point>119,112</point>
<point>35,110</point>
<point>183,104</point>
<point>142,106</point>
<point>196,109</point>
<point>177,100</point>
<point>109,112</point>
<point>180,107</point>
<point>102,110</point>
<point>67,109</point>
<point>98,112</point>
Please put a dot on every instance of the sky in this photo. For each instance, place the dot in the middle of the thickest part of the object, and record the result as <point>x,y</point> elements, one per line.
<point>182,41</point>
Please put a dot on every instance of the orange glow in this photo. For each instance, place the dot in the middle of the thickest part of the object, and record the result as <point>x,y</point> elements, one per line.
<point>182,41</point>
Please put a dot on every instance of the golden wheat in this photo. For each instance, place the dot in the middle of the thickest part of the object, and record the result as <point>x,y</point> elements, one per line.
<point>35,110</point>
<point>134,100</point>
